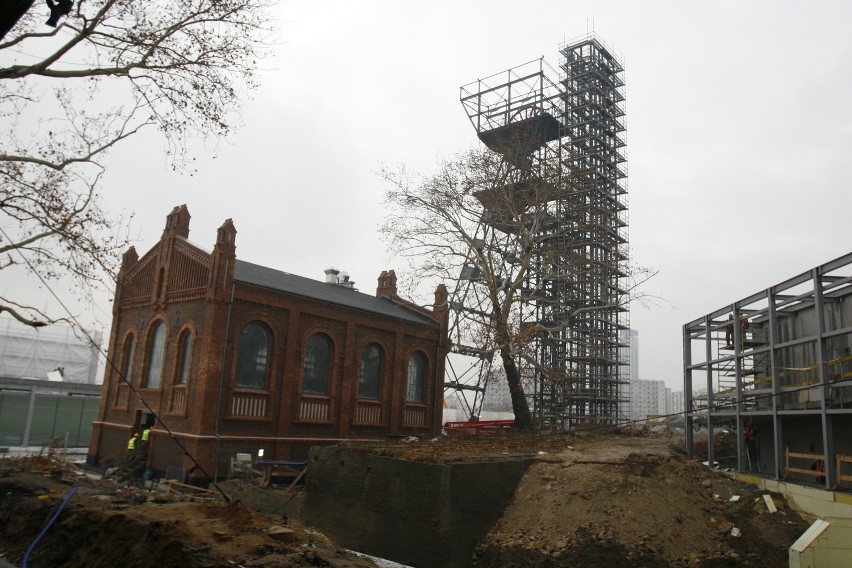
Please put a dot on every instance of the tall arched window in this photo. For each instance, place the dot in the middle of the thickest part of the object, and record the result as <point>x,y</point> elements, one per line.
<point>371,372</point>
<point>185,347</point>
<point>253,357</point>
<point>156,352</point>
<point>416,372</point>
<point>127,368</point>
<point>317,365</point>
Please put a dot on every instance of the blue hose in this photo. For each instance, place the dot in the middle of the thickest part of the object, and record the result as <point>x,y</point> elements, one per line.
<point>48,525</point>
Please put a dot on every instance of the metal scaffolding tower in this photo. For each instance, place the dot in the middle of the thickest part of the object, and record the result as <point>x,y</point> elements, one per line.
<point>566,135</point>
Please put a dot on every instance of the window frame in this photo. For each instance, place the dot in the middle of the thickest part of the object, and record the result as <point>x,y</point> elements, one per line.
<point>316,369</point>
<point>242,359</point>
<point>156,348</point>
<point>409,387</point>
<point>379,372</point>
<point>184,359</point>
<point>127,366</point>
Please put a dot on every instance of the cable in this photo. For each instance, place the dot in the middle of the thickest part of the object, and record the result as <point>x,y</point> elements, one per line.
<point>117,371</point>
<point>48,525</point>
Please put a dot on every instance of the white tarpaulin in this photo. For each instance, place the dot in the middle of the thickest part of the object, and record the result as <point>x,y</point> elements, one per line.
<point>32,353</point>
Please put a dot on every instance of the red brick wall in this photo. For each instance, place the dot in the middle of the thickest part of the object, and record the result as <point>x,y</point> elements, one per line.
<point>164,285</point>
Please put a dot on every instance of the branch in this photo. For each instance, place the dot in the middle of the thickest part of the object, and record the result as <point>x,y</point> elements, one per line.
<point>24,320</point>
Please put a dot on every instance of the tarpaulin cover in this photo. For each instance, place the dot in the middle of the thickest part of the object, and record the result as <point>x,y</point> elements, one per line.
<point>27,352</point>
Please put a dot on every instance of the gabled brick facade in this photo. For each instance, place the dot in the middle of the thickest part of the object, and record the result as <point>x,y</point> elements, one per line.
<point>183,310</point>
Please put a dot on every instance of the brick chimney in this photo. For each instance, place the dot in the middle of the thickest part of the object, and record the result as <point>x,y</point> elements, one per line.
<point>387,284</point>
<point>177,222</point>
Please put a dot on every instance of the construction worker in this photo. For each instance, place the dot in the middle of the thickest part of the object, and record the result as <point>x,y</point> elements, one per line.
<point>729,330</point>
<point>819,469</point>
<point>751,447</point>
<point>133,442</point>
<point>146,434</point>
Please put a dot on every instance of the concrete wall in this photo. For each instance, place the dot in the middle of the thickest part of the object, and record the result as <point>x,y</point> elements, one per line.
<point>830,546</point>
<point>809,501</point>
<point>828,543</point>
<point>429,515</point>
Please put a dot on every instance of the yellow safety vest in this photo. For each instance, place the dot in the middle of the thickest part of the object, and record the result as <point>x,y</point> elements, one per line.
<point>131,443</point>
<point>146,433</point>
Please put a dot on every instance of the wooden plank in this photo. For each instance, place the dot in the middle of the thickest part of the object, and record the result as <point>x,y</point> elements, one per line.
<point>295,481</point>
<point>172,482</point>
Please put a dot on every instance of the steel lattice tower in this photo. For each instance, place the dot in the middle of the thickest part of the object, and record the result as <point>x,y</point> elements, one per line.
<point>569,135</point>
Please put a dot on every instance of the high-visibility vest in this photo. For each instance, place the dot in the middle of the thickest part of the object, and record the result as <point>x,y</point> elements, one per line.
<point>131,443</point>
<point>146,433</point>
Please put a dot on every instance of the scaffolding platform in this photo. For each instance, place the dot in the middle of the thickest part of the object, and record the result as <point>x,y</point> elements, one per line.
<point>521,137</point>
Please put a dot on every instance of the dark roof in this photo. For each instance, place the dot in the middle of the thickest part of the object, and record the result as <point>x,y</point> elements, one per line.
<point>264,277</point>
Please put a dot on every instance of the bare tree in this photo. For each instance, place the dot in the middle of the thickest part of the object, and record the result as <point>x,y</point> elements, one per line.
<point>70,94</point>
<point>477,221</point>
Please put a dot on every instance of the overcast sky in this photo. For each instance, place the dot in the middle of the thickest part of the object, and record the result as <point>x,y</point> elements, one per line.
<point>738,128</point>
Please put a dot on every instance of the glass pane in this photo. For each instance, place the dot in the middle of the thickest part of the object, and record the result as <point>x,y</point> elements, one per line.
<point>44,415</point>
<point>68,411</point>
<point>155,357</point>
<point>414,385</point>
<point>317,365</point>
<point>185,357</point>
<point>13,414</point>
<point>371,369</point>
<point>253,357</point>
<point>128,358</point>
<point>88,415</point>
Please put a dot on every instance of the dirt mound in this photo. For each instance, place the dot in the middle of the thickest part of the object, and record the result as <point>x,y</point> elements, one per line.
<point>108,525</point>
<point>622,501</point>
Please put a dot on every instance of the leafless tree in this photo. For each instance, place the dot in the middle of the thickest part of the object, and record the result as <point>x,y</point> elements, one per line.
<point>476,221</point>
<point>70,94</point>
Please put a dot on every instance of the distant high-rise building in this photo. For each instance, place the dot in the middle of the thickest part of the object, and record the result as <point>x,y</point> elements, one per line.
<point>647,398</point>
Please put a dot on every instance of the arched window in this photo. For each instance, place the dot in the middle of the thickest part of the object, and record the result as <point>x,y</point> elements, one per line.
<point>371,372</point>
<point>156,352</point>
<point>317,365</point>
<point>185,347</point>
<point>127,368</point>
<point>416,372</point>
<point>253,357</point>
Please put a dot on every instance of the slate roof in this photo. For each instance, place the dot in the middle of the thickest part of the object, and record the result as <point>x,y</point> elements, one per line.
<point>265,277</point>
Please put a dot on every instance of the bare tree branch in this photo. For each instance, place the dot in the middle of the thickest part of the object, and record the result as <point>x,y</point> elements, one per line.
<point>111,68</point>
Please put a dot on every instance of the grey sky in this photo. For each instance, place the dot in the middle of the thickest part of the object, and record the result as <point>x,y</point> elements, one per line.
<point>737,121</point>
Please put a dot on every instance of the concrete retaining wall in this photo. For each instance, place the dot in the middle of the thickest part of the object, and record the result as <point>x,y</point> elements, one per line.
<point>828,543</point>
<point>428,515</point>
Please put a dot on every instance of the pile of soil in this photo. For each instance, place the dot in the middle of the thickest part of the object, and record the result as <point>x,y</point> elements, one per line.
<point>636,501</point>
<point>105,524</point>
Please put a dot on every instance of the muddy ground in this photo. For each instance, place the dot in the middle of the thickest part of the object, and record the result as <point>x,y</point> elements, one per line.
<point>106,524</point>
<point>589,500</point>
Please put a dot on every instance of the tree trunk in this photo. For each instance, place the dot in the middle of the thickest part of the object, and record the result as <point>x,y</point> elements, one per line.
<point>523,419</point>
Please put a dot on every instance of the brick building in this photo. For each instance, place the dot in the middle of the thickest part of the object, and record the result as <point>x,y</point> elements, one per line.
<point>234,357</point>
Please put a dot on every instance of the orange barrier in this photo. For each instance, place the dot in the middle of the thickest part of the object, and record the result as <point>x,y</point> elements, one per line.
<point>478,427</point>
<point>814,458</point>
<point>840,477</point>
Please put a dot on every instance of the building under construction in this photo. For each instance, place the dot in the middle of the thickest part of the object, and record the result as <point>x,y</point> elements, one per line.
<point>564,131</point>
<point>776,367</point>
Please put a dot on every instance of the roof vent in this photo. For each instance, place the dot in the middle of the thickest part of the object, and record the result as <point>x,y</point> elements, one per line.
<point>331,275</point>
<point>338,277</point>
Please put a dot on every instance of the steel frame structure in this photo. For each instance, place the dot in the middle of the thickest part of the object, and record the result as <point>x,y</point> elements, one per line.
<point>567,134</point>
<point>780,360</point>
